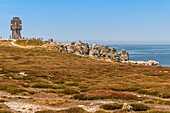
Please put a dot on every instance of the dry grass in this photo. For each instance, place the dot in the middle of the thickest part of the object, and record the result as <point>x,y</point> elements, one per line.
<point>67,74</point>
<point>71,110</point>
<point>30,42</point>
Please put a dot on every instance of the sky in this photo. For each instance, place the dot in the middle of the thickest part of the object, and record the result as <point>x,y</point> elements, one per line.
<point>118,21</point>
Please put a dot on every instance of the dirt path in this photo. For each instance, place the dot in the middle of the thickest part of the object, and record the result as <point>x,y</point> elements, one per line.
<point>148,96</point>
<point>24,47</point>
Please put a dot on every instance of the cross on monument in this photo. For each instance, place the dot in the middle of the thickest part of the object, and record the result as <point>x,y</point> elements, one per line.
<point>16,28</point>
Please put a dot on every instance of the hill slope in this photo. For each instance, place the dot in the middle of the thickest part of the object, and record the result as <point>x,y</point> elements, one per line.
<point>51,80</point>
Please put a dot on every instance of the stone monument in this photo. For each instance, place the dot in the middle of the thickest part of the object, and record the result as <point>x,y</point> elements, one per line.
<point>16,28</point>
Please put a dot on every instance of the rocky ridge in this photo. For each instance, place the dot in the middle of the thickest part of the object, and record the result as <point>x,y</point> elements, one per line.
<point>96,51</point>
<point>101,51</point>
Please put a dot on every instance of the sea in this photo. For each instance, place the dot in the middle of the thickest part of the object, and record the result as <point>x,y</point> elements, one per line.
<point>141,52</point>
<point>160,53</point>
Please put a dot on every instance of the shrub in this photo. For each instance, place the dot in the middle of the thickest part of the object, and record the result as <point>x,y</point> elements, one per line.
<point>130,89</point>
<point>163,102</point>
<point>16,57</point>
<point>111,106</point>
<point>140,107</point>
<point>100,111</point>
<point>158,112</point>
<point>115,95</point>
<point>165,95</point>
<point>75,110</point>
<point>124,96</point>
<point>12,89</point>
<point>83,87</point>
<point>46,111</point>
<point>15,90</point>
<point>84,97</point>
<point>78,96</point>
<point>167,103</point>
<point>71,110</point>
<point>59,82</point>
<point>42,85</point>
<point>147,92</point>
<point>5,111</point>
<point>72,84</point>
<point>90,97</point>
<point>149,101</point>
<point>70,91</point>
<point>30,42</point>
<point>2,101</point>
<point>30,54</point>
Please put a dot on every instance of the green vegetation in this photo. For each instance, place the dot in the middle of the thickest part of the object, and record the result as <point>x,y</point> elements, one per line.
<point>5,111</point>
<point>71,110</point>
<point>11,89</point>
<point>101,111</point>
<point>111,106</point>
<point>2,100</point>
<point>30,42</point>
<point>103,95</point>
<point>158,112</point>
<point>42,85</point>
<point>53,74</point>
<point>70,91</point>
<point>140,107</point>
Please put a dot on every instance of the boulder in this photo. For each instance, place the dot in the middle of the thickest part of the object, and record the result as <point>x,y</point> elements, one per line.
<point>115,56</point>
<point>127,107</point>
<point>113,50</point>
<point>70,49</point>
<point>104,49</point>
<point>152,63</point>
<point>124,55</point>
<point>95,50</point>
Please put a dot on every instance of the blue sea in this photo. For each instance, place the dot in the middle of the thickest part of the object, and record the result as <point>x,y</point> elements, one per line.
<point>160,53</point>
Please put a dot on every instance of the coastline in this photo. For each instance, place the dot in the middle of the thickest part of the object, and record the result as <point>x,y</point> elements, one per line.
<point>147,52</point>
<point>141,52</point>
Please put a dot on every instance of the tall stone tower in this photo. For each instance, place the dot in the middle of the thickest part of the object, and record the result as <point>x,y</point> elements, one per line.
<point>16,28</point>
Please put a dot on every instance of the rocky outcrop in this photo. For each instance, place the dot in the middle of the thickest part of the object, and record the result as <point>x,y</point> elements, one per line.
<point>152,63</point>
<point>101,51</point>
<point>77,48</point>
<point>124,55</point>
<point>97,51</point>
<point>147,63</point>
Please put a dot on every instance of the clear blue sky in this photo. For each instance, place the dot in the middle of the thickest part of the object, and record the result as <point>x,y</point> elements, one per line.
<point>97,20</point>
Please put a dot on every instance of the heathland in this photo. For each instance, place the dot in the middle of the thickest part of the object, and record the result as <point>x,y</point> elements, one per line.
<point>43,80</point>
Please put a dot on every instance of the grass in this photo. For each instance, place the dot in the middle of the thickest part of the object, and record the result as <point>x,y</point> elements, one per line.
<point>101,111</point>
<point>4,109</point>
<point>98,95</point>
<point>12,89</point>
<point>156,111</point>
<point>30,42</point>
<point>62,74</point>
<point>2,100</point>
<point>111,106</point>
<point>140,107</point>
<point>69,91</point>
<point>42,85</point>
<point>71,110</point>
